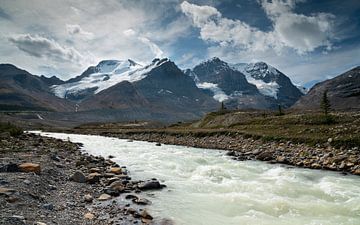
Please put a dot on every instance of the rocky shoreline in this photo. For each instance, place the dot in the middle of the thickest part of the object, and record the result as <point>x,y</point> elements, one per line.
<point>241,148</point>
<point>49,181</point>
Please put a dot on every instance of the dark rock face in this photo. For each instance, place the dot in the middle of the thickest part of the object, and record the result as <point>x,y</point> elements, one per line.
<point>343,92</point>
<point>167,88</point>
<point>50,81</point>
<point>229,80</point>
<point>20,90</point>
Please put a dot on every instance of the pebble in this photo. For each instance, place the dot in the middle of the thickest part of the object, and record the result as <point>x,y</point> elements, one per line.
<point>89,216</point>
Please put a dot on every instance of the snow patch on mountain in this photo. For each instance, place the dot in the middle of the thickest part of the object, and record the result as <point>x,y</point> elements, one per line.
<point>255,72</point>
<point>219,94</point>
<point>108,73</point>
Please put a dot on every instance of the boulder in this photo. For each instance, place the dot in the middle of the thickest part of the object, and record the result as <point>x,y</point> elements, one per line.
<point>79,177</point>
<point>150,185</point>
<point>30,168</point>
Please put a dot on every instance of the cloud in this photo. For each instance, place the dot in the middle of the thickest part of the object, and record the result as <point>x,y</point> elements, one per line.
<point>290,30</point>
<point>153,47</point>
<point>76,30</point>
<point>4,15</point>
<point>42,47</point>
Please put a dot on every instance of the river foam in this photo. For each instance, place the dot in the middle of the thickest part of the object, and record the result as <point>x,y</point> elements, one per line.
<point>207,187</point>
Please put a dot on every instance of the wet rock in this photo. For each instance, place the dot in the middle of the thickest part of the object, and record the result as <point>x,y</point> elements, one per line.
<point>265,156</point>
<point>145,215</point>
<point>79,177</point>
<point>356,172</point>
<point>104,197</point>
<point>30,168</point>
<point>158,144</point>
<point>231,153</point>
<point>141,201</point>
<point>150,185</point>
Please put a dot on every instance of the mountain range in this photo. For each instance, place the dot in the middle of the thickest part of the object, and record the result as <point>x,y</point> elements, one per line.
<point>116,90</point>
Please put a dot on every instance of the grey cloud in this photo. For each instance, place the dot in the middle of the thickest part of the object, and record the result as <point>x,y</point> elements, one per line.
<point>4,15</point>
<point>42,47</point>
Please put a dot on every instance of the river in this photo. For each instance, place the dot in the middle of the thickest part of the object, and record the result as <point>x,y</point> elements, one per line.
<point>207,187</point>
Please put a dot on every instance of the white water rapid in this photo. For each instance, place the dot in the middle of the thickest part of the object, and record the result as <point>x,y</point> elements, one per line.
<point>206,187</point>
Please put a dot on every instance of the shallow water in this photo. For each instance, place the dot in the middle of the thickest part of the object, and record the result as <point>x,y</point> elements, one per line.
<point>207,187</point>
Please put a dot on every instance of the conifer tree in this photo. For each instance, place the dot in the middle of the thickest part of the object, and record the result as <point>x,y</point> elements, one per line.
<point>325,103</point>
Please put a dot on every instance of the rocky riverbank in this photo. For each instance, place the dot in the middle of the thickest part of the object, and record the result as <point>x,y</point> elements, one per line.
<point>345,160</point>
<point>49,181</point>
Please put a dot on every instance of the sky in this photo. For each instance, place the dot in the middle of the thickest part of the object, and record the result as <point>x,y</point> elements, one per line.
<point>305,39</point>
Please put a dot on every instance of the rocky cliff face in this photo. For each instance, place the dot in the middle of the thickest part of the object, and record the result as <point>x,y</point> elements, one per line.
<point>343,92</point>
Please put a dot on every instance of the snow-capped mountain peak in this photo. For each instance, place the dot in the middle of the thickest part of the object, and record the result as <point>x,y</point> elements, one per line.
<point>106,74</point>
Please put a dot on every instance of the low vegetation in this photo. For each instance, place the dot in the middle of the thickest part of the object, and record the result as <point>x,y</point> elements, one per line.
<point>11,129</point>
<point>337,129</point>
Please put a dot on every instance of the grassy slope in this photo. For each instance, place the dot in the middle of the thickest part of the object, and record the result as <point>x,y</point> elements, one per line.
<point>311,128</point>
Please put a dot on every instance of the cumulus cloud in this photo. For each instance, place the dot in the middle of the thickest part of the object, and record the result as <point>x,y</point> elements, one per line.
<point>153,47</point>
<point>42,47</point>
<point>290,30</point>
<point>76,30</point>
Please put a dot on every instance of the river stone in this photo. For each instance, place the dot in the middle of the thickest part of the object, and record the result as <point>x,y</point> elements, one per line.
<point>30,167</point>
<point>141,201</point>
<point>93,178</point>
<point>265,156</point>
<point>88,198</point>
<point>6,191</point>
<point>95,170</point>
<point>117,185</point>
<point>144,214</point>
<point>115,170</point>
<point>39,223</point>
<point>89,216</point>
<point>104,197</point>
<point>79,177</point>
<point>357,172</point>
